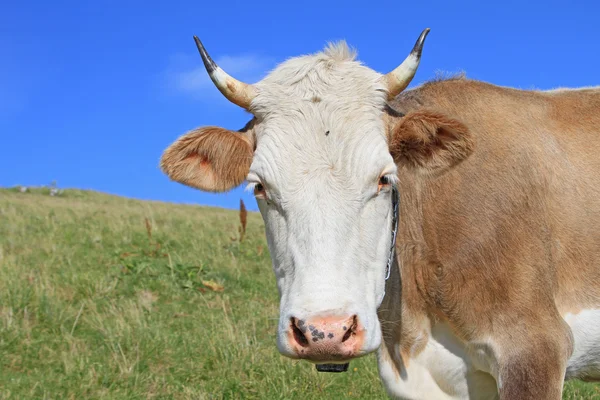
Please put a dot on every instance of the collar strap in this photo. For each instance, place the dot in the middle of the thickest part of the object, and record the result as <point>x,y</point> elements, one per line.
<point>394,232</point>
<point>388,268</point>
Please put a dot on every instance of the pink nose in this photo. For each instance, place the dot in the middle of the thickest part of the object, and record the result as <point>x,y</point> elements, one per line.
<point>326,338</point>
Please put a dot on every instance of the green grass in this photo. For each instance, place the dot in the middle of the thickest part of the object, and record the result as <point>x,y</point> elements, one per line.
<point>103,297</point>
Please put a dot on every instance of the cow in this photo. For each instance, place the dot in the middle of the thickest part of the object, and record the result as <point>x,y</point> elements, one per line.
<point>454,227</point>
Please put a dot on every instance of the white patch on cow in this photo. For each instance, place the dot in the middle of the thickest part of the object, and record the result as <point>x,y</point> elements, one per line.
<point>585,360</point>
<point>446,369</point>
<point>321,149</point>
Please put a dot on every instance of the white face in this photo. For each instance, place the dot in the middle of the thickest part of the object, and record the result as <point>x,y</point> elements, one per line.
<point>321,153</point>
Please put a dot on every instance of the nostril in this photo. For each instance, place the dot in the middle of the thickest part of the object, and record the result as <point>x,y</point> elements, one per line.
<point>298,328</point>
<point>350,330</point>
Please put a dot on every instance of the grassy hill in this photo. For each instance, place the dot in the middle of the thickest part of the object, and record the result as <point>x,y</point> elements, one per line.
<point>107,297</point>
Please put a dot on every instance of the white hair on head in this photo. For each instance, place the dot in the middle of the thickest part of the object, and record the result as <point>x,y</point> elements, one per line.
<point>340,51</point>
<point>333,72</point>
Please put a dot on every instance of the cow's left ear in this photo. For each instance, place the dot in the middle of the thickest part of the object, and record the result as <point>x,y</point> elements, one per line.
<point>430,141</point>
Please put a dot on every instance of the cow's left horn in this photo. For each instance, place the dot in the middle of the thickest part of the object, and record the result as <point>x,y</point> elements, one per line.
<point>237,92</point>
<point>398,79</point>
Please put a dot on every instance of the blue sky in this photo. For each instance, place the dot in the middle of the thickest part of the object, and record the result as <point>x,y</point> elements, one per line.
<point>91,93</point>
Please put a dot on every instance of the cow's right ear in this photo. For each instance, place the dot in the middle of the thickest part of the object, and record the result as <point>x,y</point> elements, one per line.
<point>211,158</point>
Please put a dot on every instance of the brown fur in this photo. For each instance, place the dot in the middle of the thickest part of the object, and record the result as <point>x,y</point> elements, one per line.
<point>430,141</point>
<point>211,158</point>
<point>507,239</point>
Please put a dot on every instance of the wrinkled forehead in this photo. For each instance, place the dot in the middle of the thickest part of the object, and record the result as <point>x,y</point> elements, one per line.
<point>321,113</point>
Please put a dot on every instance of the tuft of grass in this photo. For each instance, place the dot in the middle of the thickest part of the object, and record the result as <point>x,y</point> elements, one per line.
<point>111,298</point>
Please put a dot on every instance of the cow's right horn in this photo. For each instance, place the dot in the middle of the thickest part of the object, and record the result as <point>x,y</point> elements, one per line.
<point>397,80</point>
<point>237,92</point>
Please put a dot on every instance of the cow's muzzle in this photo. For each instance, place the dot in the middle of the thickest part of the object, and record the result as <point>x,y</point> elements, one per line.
<point>326,339</point>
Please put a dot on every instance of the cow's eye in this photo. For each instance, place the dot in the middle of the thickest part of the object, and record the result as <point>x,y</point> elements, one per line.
<point>259,190</point>
<point>384,182</point>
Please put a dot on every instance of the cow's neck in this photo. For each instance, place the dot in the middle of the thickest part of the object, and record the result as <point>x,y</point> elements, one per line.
<point>405,309</point>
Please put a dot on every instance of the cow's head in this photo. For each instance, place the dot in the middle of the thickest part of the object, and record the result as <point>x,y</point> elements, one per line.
<point>322,155</point>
